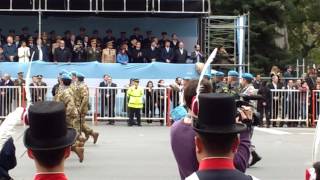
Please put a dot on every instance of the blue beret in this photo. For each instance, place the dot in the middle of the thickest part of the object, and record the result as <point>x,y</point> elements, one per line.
<point>219,74</point>
<point>65,76</point>
<point>208,74</point>
<point>187,78</point>
<point>80,75</point>
<point>73,73</point>
<point>178,113</point>
<point>233,73</point>
<point>63,71</point>
<point>247,76</point>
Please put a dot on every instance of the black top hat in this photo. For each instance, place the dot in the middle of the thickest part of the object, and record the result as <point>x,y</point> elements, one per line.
<point>217,114</point>
<point>48,128</point>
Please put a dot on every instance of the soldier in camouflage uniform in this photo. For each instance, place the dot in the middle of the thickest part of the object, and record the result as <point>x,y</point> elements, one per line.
<point>66,95</point>
<point>220,86</point>
<point>82,102</point>
<point>233,83</point>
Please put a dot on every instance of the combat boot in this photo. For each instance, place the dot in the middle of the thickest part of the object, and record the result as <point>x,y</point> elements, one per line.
<point>79,152</point>
<point>95,136</point>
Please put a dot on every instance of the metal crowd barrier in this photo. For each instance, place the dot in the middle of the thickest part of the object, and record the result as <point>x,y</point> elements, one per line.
<point>112,104</point>
<point>10,99</point>
<point>315,106</point>
<point>289,106</point>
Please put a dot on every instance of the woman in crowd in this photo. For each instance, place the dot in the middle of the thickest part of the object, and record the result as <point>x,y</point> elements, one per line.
<point>160,99</point>
<point>149,104</point>
<point>24,53</point>
<point>122,56</point>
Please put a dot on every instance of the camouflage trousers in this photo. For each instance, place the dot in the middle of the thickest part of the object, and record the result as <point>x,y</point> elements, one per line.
<point>84,127</point>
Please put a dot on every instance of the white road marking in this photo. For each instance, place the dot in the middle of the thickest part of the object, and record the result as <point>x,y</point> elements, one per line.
<point>271,131</point>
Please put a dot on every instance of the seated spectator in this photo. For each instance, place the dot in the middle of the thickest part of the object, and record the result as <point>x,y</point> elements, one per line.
<point>2,58</point>
<point>40,52</point>
<point>137,55</point>
<point>136,35</point>
<point>50,151</point>
<point>163,40</point>
<point>17,41</point>
<point>197,55</point>
<point>62,53</point>
<point>7,159</point>
<point>174,41</point>
<point>181,54</point>
<point>109,37</point>
<point>78,52</point>
<point>167,53</point>
<point>123,39</point>
<point>94,52</point>
<point>152,54</point>
<point>122,56</point>
<point>109,53</point>
<point>10,51</point>
<point>24,53</point>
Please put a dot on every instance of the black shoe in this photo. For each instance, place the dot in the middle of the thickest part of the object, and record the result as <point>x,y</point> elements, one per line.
<point>255,158</point>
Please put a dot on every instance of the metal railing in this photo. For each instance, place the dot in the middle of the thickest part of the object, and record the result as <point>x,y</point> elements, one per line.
<point>315,106</point>
<point>289,106</point>
<point>10,99</point>
<point>112,104</point>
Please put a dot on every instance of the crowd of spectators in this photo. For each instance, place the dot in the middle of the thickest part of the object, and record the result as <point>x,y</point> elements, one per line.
<point>82,47</point>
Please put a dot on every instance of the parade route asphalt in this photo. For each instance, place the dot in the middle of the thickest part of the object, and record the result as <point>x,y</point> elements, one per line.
<point>144,153</point>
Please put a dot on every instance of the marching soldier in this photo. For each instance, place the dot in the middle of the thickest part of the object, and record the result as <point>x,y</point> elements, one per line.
<point>82,103</point>
<point>233,83</point>
<point>66,95</point>
<point>220,86</point>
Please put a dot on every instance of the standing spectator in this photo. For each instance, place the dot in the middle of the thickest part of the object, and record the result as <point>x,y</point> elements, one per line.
<point>6,95</point>
<point>137,55</point>
<point>123,39</point>
<point>24,53</point>
<point>17,41</point>
<point>181,54</point>
<point>136,35</point>
<point>289,102</point>
<point>160,99</point>
<point>174,41</point>
<point>53,37</point>
<point>78,52</point>
<point>31,43</point>
<point>163,40</point>
<point>25,34</point>
<point>257,82</point>
<point>311,79</point>
<point>304,89</point>
<point>264,106</point>
<point>150,100</point>
<point>109,37</point>
<point>95,35</point>
<point>135,104</point>
<point>2,38</point>
<point>72,41</point>
<point>40,52</point>
<point>33,88</point>
<point>62,53</point>
<point>122,56</point>
<point>108,98</point>
<point>2,58</point>
<point>288,75</point>
<point>19,81</point>
<point>55,45</point>
<point>177,88</point>
<point>67,39</point>
<point>197,56</point>
<point>86,42</point>
<point>152,54</point>
<point>42,90</point>
<point>167,53</point>
<point>147,41</point>
<point>94,52</point>
<point>275,84</point>
<point>81,34</point>
<point>109,53</point>
<point>10,51</point>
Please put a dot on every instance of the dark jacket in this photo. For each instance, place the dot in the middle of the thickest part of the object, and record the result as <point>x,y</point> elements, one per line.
<point>45,53</point>
<point>180,58</point>
<point>9,51</point>
<point>7,159</point>
<point>195,58</point>
<point>152,54</point>
<point>93,55</point>
<point>137,56</point>
<point>167,54</point>
<point>62,55</point>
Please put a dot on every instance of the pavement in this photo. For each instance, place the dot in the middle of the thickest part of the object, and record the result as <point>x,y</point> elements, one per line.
<point>141,153</point>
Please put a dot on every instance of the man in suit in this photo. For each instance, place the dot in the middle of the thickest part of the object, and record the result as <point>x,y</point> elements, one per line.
<point>48,140</point>
<point>137,55</point>
<point>152,54</point>
<point>197,55</point>
<point>217,138</point>
<point>6,95</point>
<point>10,51</point>
<point>108,98</point>
<point>275,97</point>
<point>167,53</point>
<point>40,52</point>
<point>62,53</point>
<point>181,54</point>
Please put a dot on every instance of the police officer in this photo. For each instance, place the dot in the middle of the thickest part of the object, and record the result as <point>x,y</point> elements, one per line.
<point>66,95</point>
<point>135,103</point>
<point>82,103</point>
